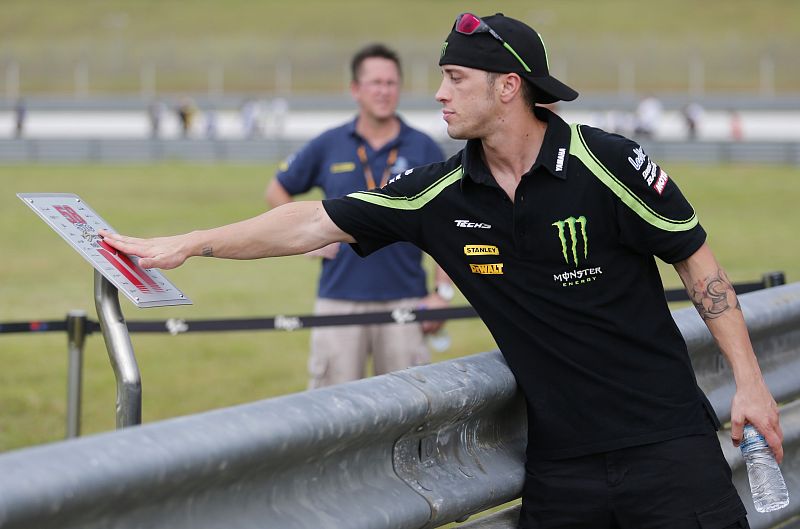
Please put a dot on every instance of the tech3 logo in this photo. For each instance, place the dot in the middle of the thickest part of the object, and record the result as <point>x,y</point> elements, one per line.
<point>569,237</point>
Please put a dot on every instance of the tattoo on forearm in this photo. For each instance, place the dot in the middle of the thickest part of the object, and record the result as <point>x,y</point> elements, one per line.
<point>714,295</point>
<point>208,251</point>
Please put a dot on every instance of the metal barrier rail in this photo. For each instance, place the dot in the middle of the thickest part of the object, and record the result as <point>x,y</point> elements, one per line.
<point>272,150</point>
<point>291,323</point>
<point>788,518</point>
<point>123,361</point>
<point>413,449</point>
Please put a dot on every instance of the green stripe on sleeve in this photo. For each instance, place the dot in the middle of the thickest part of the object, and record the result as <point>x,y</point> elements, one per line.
<point>410,203</point>
<point>580,150</point>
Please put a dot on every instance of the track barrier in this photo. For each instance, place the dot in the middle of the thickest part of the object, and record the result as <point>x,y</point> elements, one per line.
<point>115,331</point>
<point>414,449</point>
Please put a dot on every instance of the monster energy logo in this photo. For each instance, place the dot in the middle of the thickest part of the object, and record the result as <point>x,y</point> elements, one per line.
<point>444,48</point>
<point>571,224</point>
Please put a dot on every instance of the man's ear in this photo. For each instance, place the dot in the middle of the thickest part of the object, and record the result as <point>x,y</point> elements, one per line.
<point>511,86</point>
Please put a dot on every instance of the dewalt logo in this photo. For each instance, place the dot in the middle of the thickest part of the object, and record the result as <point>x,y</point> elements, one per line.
<point>487,269</point>
<point>568,235</point>
<point>481,249</point>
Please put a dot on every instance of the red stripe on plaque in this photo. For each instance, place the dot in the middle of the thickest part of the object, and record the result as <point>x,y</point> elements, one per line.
<point>122,269</point>
<point>139,271</point>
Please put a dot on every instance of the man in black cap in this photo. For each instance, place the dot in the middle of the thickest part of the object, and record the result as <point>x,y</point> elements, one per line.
<point>550,230</point>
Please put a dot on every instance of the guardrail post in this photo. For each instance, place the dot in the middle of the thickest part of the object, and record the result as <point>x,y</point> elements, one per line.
<point>774,279</point>
<point>120,352</point>
<point>76,338</point>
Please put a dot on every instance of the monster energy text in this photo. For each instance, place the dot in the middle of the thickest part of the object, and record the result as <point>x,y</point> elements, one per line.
<point>571,224</point>
<point>578,277</point>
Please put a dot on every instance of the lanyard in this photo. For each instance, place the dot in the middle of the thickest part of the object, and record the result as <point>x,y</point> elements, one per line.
<point>362,155</point>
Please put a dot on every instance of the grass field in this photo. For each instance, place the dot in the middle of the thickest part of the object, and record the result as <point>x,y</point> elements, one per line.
<point>750,212</point>
<point>182,39</point>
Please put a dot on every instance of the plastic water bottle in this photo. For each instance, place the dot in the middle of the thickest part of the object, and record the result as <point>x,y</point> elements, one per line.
<point>766,481</point>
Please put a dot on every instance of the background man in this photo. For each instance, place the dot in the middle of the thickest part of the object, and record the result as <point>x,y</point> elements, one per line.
<point>558,260</point>
<point>362,154</point>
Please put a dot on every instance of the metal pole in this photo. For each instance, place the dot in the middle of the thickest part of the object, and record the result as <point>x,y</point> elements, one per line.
<point>774,279</point>
<point>120,352</point>
<point>76,338</point>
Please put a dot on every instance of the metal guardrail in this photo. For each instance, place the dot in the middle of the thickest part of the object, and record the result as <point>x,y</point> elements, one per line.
<point>123,361</point>
<point>265,150</point>
<point>413,449</point>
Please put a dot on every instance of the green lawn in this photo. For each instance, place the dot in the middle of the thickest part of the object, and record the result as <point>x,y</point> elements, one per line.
<point>750,212</point>
<point>183,40</point>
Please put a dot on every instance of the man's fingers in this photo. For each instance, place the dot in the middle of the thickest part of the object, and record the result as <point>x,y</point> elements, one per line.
<point>774,438</point>
<point>737,429</point>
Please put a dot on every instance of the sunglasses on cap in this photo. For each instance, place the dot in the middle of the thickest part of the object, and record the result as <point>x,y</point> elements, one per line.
<point>469,24</point>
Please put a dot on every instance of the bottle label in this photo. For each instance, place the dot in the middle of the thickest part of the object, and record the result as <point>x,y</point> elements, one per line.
<point>752,440</point>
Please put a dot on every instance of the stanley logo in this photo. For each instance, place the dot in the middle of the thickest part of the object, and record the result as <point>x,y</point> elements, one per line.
<point>481,249</point>
<point>568,235</point>
<point>487,269</point>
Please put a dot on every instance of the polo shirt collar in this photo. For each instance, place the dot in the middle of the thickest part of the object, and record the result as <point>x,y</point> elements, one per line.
<point>404,129</point>
<point>553,155</point>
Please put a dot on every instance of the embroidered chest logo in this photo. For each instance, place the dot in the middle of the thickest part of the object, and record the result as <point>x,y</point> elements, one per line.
<point>560,160</point>
<point>574,239</point>
<point>487,269</point>
<point>568,235</point>
<point>481,249</point>
<point>655,176</point>
<point>461,223</point>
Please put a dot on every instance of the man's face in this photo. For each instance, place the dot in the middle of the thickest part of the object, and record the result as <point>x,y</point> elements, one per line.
<point>468,99</point>
<point>377,89</point>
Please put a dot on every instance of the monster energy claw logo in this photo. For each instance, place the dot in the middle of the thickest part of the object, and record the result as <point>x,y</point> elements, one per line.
<point>444,48</point>
<point>571,224</point>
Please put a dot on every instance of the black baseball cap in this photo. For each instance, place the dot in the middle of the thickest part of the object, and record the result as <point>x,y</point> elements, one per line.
<point>523,48</point>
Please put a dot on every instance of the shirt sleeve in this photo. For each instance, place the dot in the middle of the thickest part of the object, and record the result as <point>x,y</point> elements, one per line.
<point>299,172</point>
<point>380,217</point>
<point>653,215</point>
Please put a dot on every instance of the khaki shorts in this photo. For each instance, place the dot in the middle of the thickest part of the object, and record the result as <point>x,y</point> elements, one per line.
<point>339,354</point>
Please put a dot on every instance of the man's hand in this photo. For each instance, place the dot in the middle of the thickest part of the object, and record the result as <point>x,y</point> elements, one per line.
<point>433,301</point>
<point>753,403</point>
<point>162,252</point>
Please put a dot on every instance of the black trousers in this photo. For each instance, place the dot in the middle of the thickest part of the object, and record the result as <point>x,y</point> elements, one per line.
<point>682,483</point>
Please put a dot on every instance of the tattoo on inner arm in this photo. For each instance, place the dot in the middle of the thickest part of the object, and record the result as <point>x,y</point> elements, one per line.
<point>208,251</point>
<point>714,295</point>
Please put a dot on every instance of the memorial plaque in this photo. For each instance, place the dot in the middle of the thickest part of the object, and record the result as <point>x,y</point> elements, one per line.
<point>78,224</point>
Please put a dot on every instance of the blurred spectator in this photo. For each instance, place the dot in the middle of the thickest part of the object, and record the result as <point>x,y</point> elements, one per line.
<point>648,116</point>
<point>155,111</point>
<point>363,154</point>
<point>692,114</point>
<point>251,114</point>
<point>211,123</point>
<point>279,111</point>
<point>737,132</point>
<point>186,111</point>
<point>20,113</point>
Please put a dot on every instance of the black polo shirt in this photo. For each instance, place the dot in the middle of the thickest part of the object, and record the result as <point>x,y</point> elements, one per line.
<point>564,278</point>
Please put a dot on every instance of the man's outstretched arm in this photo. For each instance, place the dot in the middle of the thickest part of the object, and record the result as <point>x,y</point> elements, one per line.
<point>291,229</point>
<point>713,296</point>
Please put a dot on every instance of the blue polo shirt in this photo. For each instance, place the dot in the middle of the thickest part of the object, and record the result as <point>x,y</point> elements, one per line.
<point>331,162</point>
